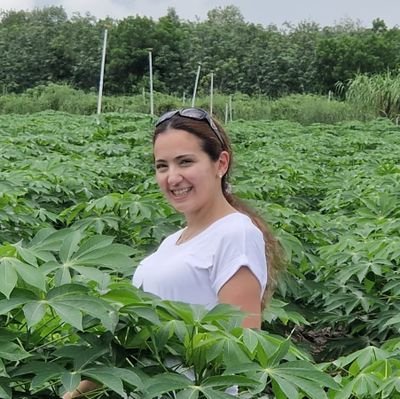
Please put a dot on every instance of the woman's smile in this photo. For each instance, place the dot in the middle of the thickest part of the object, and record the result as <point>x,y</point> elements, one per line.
<point>185,173</point>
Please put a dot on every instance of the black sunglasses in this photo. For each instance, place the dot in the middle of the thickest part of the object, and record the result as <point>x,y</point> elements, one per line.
<point>197,114</point>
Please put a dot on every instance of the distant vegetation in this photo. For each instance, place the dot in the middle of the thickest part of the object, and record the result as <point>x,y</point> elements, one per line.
<point>305,109</point>
<point>45,45</point>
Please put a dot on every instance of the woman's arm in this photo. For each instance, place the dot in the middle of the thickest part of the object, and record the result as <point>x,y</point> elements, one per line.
<point>244,290</point>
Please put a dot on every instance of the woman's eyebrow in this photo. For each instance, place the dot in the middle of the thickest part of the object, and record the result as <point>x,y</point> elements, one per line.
<point>178,157</point>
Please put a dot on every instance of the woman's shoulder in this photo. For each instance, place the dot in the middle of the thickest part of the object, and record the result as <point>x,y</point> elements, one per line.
<point>237,222</point>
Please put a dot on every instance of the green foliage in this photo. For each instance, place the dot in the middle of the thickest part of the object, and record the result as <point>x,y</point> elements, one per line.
<point>305,109</point>
<point>308,109</point>
<point>378,95</point>
<point>44,45</point>
<point>79,208</point>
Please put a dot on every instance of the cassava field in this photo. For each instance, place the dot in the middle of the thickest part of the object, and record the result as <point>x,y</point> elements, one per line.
<point>79,207</point>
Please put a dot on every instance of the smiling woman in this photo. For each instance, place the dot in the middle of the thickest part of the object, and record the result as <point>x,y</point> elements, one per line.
<point>225,253</point>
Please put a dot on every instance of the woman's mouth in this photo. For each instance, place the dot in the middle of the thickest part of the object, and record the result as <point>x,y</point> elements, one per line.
<point>181,192</point>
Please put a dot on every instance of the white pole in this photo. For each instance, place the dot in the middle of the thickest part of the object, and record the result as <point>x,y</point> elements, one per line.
<point>226,113</point>
<point>151,83</point>
<point>195,85</point>
<point>103,62</point>
<point>184,98</point>
<point>230,108</point>
<point>211,93</point>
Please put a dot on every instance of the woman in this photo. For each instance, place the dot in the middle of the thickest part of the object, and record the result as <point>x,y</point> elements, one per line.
<point>220,256</point>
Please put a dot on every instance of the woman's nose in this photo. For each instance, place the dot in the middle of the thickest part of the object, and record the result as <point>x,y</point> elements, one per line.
<point>174,177</point>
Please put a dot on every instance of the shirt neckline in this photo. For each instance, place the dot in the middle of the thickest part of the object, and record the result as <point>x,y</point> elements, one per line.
<point>202,232</point>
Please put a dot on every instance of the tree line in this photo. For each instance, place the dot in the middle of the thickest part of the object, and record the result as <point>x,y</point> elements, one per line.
<point>46,45</point>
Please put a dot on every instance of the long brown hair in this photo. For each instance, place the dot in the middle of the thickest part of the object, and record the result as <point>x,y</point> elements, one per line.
<point>213,146</point>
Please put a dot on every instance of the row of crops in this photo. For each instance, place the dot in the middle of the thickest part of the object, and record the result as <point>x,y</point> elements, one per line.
<point>79,208</point>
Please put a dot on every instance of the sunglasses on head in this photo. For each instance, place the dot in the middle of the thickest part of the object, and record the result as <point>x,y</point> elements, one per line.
<point>197,114</point>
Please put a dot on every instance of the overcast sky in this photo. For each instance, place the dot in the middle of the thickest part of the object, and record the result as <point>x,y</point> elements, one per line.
<point>265,12</point>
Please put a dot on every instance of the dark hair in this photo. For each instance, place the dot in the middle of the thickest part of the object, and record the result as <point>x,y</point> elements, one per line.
<point>213,146</point>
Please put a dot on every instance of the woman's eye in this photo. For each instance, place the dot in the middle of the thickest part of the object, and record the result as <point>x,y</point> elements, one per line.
<point>186,161</point>
<point>160,167</point>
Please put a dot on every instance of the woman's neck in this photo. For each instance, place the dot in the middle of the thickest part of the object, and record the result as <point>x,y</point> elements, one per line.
<point>200,220</point>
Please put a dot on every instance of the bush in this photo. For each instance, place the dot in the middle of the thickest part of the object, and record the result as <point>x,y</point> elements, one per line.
<point>308,108</point>
<point>305,109</point>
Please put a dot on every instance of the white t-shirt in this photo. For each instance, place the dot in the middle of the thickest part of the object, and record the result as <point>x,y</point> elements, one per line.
<point>194,271</point>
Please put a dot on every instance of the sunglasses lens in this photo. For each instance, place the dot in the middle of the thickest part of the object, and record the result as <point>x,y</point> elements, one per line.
<point>166,116</point>
<point>194,113</point>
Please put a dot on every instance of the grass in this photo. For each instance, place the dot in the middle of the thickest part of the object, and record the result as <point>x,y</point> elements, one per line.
<point>302,108</point>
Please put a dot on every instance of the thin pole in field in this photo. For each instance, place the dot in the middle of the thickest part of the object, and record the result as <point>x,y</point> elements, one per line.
<point>195,85</point>
<point>184,98</point>
<point>226,113</point>
<point>151,82</point>
<point>230,108</point>
<point>103,62</point>
<point>211,93</point>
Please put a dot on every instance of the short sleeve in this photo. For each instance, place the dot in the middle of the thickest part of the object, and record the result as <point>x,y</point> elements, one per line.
<point>240,246</point>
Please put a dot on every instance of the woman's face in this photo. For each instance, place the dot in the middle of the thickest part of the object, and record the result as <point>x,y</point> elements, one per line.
<point>187,176</point>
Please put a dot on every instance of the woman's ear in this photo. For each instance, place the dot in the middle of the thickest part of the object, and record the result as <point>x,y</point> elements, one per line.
<point>223,163</point>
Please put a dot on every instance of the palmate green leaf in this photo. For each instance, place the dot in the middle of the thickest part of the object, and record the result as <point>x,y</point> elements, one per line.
<point>106,376</point>
<point>279,354</point>
<point>390,386</point>
<point>43,376</point>
<point>8,276</point>
<point>305,376</point>
<point>30,274</point>
<point>278,309</point>
<point>67,291</point>
<point>123,294</point>
<point>70,306</point>
<point>164,383</point>
<point>7,305</point>
<point>210,393</point>
<point>228,380</point>
<point>47,240</point>
<point>144,312</point>
<point>250,339</point>
<point>392,321</point>
<point>284,389</point>
<point>190,393</point>
<point>70,245</point>
<point>34,312</point>
<point>346,391</point>
<point>38,367</point>
<point>11,351</point>
<point>366,384</point>
<point>233,352</point>
<point>63,276</point>
<point>93,245</point>
<point>129,376</point>
<point>68,314</point>
<point>222,312</point>
<point>70,381</point>
<point>81,354</point>
<point>363,357</point>
<point>91,273</point>
<point>5,390</point>
<point>26,254</point>
<point>3,372</point>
